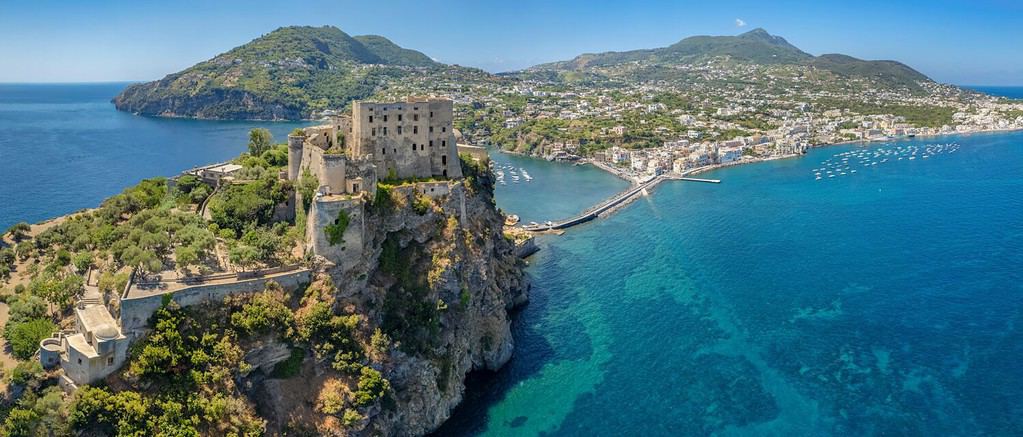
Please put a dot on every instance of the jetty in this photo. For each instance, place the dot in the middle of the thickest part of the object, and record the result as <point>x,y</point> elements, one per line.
<point>611,204</point>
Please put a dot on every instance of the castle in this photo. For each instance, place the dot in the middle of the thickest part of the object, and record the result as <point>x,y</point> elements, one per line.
<point>410,140</point>
<point>406,140</point>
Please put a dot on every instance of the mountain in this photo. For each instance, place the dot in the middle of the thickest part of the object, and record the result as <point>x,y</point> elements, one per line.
<point>286,74</point>
<point>753,47</point>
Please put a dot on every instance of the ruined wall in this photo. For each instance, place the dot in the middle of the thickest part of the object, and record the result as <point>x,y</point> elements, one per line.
<point>135,312</point>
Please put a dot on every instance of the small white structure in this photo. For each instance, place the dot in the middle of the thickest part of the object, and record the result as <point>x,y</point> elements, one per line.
<point>97,349</point>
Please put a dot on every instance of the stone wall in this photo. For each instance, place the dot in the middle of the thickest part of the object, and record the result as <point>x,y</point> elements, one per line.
<point>325,211</point>
<point>135,311</point>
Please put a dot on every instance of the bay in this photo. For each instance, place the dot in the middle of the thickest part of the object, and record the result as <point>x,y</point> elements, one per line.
<point>885,301</point>
<point>64,147</point>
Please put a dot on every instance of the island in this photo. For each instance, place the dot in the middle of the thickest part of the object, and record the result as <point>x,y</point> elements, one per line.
<point>343,282</point>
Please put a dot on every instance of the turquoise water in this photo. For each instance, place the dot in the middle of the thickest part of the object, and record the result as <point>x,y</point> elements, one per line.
<point>882,302</point>
<point>885,302</point>
<point>64,147</point>
<point>1012,92</point>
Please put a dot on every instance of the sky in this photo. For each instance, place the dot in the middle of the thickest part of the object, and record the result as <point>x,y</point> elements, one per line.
<point>977,42</point>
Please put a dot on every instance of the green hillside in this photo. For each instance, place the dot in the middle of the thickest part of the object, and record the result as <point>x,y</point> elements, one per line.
<point>753,47</point>
<point>286,74</point>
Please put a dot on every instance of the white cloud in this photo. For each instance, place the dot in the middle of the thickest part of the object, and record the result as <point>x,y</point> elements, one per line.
<point>739,22</point>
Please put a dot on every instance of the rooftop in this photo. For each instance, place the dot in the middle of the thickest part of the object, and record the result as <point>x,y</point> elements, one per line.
<point>78,343</point>
<point>95,318</point>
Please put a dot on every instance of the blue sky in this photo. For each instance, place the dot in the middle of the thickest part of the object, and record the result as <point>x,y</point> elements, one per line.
<point>963,42</point>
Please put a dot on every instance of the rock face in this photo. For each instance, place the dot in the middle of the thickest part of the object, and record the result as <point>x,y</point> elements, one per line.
<point>473,269</point>
<point>439,277</point>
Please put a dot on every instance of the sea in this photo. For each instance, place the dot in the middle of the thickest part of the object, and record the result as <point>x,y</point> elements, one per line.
<point>1011,92</point>
<point>64,147</point>
<point>888,301</point>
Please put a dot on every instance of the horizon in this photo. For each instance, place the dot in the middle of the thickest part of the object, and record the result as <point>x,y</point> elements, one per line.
<point>91,44</point>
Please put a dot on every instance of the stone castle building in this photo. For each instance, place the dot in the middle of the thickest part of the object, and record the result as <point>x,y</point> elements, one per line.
<point>413,139</point>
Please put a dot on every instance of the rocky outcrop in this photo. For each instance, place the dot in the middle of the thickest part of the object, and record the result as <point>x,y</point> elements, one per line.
<point>437,275</point>
<point>461,249</point>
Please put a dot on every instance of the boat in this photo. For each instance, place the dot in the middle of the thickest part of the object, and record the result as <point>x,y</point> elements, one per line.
<point>511,220</point>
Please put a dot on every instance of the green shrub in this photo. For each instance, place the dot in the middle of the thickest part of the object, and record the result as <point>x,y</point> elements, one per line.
<point>372,386</point>
<point>421,203</point>
<point>291,366</point>
<point>262,312</point>
<point>336,231</point>
<point>24,337</point>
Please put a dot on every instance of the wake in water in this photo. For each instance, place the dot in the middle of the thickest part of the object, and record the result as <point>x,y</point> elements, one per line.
<point>847,163</point>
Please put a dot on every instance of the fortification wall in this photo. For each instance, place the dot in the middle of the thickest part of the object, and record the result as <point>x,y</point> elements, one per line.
<point>477,152</point>
<point>135,312</point>
<point>324,212</point>
<point>296,155</point>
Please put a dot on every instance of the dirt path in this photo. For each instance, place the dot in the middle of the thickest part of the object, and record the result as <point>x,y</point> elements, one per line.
<point>6,359</point>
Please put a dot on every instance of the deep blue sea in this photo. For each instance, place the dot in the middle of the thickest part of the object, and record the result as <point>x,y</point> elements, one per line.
<point>882,302</point>
<point>64,147</point>
<point>1012,92</point>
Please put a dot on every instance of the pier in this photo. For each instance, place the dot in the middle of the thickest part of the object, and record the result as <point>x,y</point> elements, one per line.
<point>709,181</point>
<point>615,202</point>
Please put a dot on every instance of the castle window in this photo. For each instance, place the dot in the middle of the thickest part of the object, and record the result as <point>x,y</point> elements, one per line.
<point>371,119</point>
<point>444,143</point>
<point>399,130</point>
<point>413,147</point>
<point>110,361</point>
<point>431,129</point>
<point>431,114</point>
<point>415,117</point>
<point>444,129</point>
<point>420,147</point>
<point>431,143</point>
<point>444,161</point>
<point>383,151</point>
<point>415,129</point>
<point>355,188</point>
<point>79,361</point>
<point>399,116</point>
<point>415,108</point>
<point>373,131</point>
<point>385,130</point>
<point>395,150</point>
<point>385,119</point>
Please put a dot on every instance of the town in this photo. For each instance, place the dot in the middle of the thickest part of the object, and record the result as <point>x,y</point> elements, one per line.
<point>714,113</point>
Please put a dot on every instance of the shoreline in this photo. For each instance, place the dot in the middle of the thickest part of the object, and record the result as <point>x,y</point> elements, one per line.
<point>655,180</point>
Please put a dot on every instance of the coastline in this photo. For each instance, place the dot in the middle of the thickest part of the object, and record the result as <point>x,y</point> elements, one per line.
<point>652,181</point>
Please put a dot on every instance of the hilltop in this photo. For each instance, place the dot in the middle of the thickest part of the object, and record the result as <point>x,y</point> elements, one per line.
<point>756,47</point>
<point>286,74</point>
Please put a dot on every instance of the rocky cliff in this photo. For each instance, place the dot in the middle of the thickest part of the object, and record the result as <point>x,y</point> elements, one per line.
<point>437,278</point>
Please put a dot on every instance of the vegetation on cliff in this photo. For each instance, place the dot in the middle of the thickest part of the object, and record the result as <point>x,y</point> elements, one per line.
<point>286,74</point>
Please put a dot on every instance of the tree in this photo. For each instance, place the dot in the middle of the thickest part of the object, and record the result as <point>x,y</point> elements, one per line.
<point>186,256</point>
<point>260,141</point>
<point>20,422</point>
<point>24,337</point>
<point>82,261</point>
<point>19,231</point>
<point>243,255</point>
